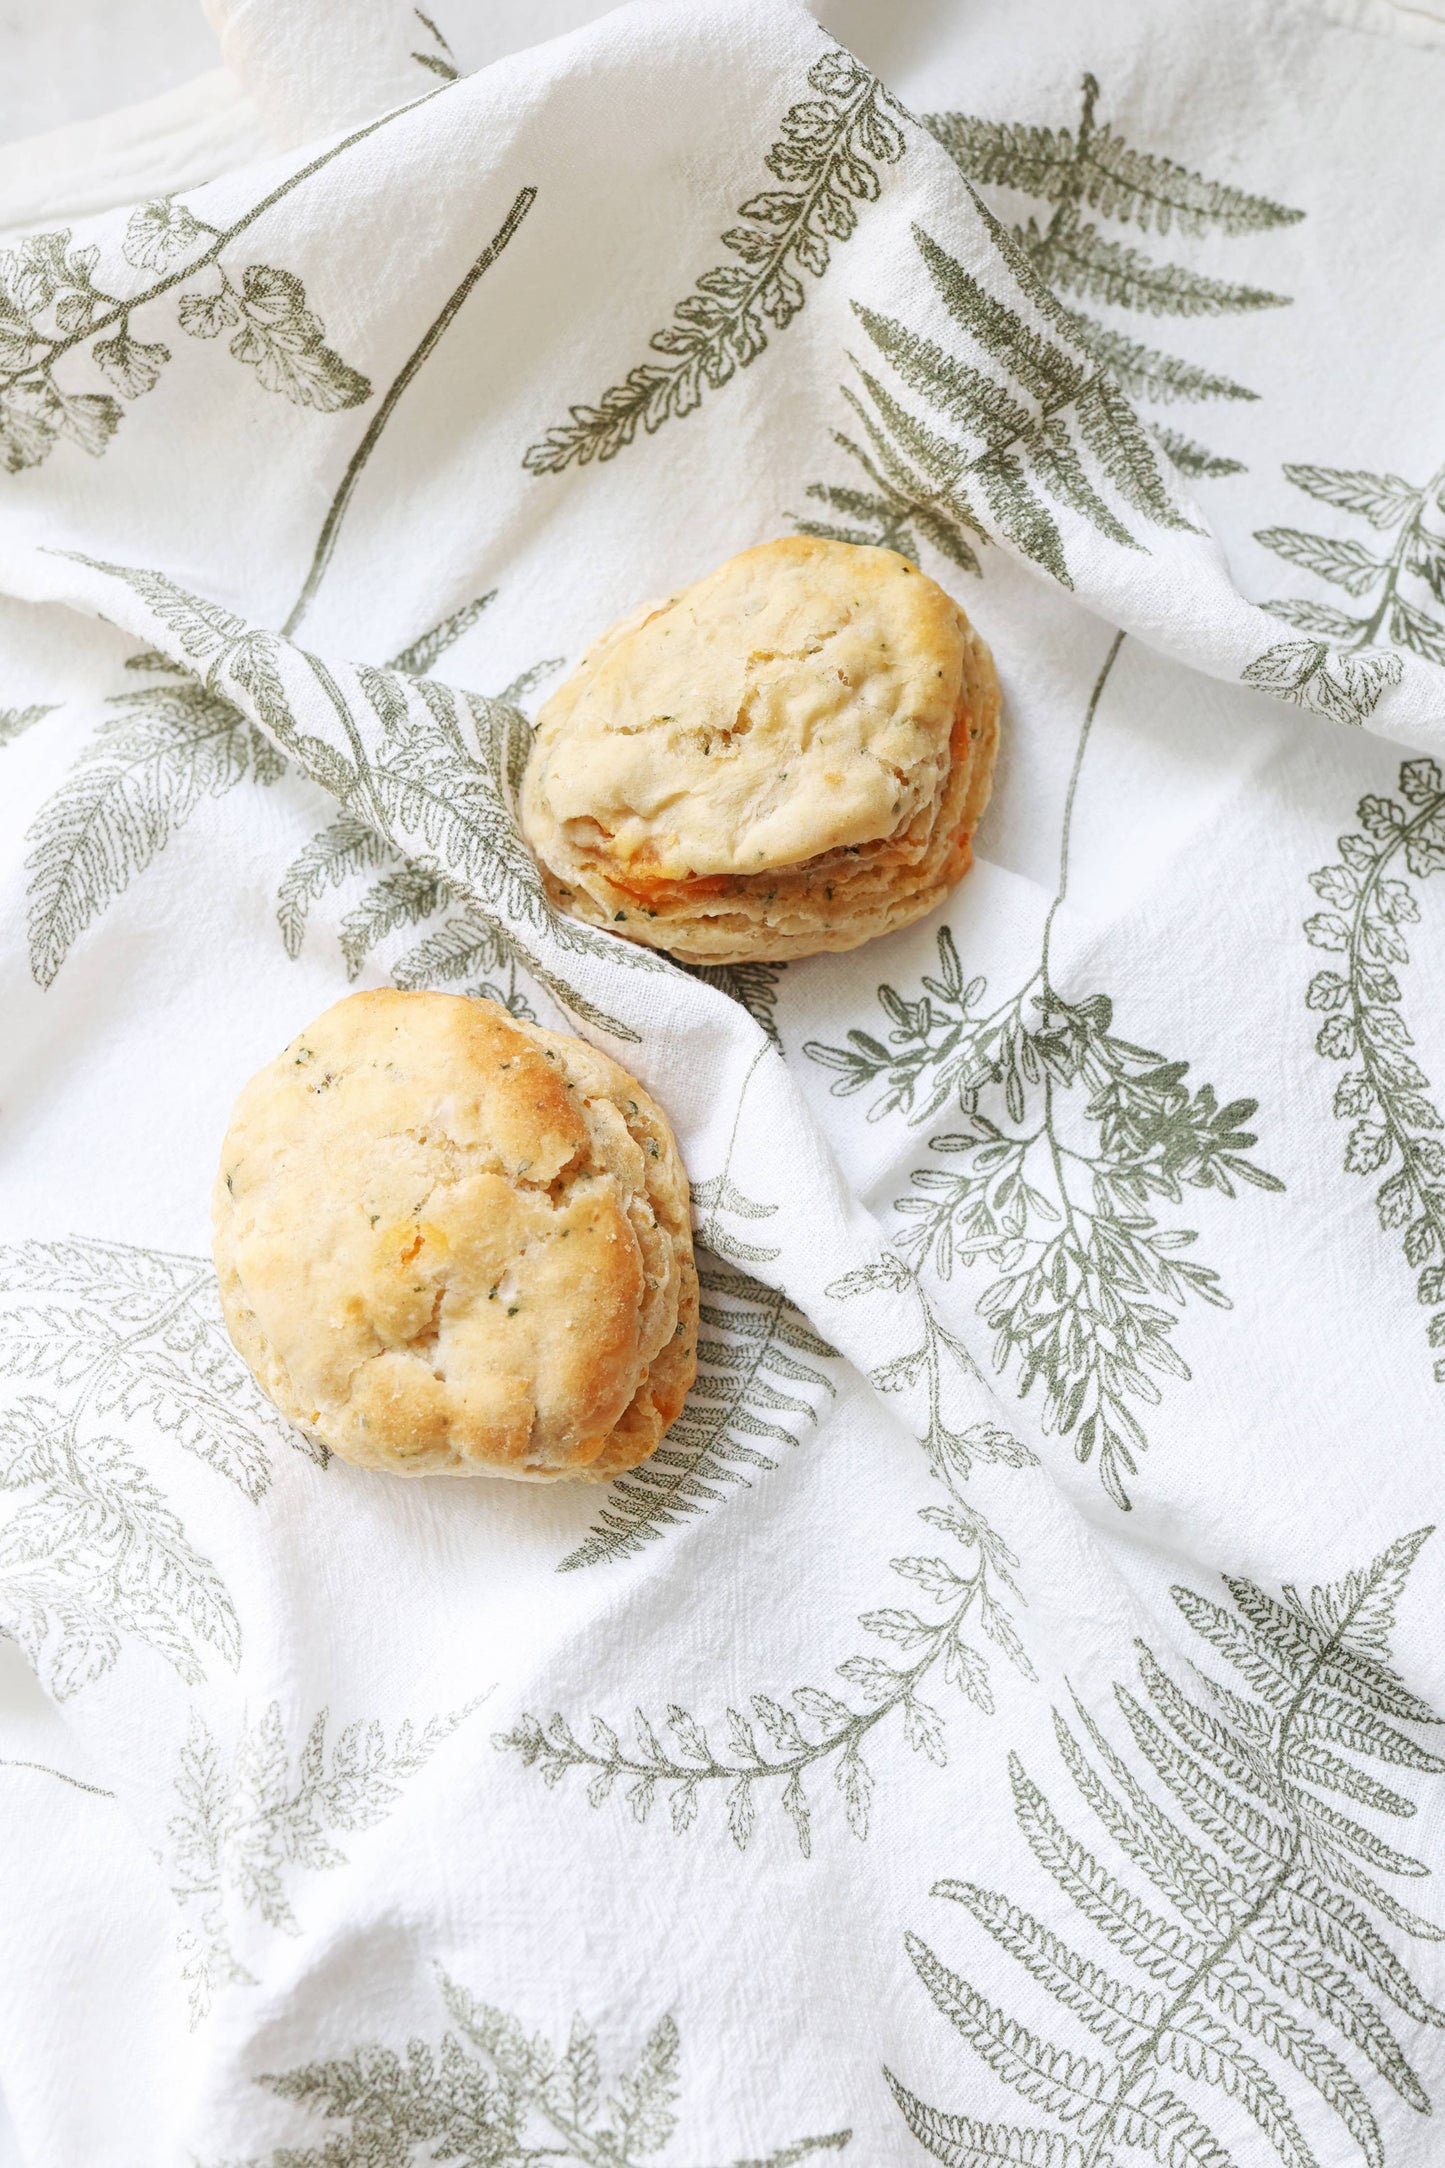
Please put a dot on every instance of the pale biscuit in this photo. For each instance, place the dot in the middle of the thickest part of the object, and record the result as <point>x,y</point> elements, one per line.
<point>787,757</point>
<point>449,1242</point>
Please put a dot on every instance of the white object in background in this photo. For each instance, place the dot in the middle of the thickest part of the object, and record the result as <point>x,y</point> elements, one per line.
<point>181,138</point>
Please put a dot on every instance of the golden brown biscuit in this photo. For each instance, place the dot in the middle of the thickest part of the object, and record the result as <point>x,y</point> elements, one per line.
<point>789,756</point>
<point>451,1243</point>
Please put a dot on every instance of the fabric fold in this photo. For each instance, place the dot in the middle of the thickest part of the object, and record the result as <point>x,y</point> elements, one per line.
<point>1051,1516</point>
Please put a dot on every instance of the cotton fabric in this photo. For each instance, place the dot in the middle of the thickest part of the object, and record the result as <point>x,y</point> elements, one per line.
<point>298,1711</point>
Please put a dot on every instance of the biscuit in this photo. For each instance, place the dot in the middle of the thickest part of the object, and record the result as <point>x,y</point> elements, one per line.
<point>451,1243</point>
<point>787,757</point>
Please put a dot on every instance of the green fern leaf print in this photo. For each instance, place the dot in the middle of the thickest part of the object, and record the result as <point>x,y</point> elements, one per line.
<point>405,894</point>
<point>1046,421</point>
<point>93,1555</point>
<point>244,1828</point>
<point>753,986</point>
<point>494,2094</point>
<point>1384,1094</point>
<point>958,1610</point>
<point>1350,657</point>
<point>1239,1889</point>
<point>757,1358</point>
<point>134,787</point>
<point>826,162</point>
<point>918,482</point>
<point>438,786</point>
<point>157,755</point>
<point>1075,1151</point>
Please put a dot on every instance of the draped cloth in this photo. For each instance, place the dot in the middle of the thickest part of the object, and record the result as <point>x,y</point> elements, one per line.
<point>1000,1724</point>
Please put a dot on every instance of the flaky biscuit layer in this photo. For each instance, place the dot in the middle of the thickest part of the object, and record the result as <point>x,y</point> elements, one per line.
<point>450,1242</point>
<point>789,757</point>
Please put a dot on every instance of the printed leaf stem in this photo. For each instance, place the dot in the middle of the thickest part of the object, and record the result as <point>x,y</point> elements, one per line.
<point>1272,1888</point>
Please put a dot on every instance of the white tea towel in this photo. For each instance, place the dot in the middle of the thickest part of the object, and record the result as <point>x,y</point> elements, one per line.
<point>999,1723</point>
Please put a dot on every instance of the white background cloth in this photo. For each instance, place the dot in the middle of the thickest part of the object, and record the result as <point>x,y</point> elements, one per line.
<point>1295,1433</point>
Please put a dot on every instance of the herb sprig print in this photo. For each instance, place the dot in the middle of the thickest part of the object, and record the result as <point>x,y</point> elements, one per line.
<point>1394,1122</point>
<point>164,749</point>
<point>1072,1139</point>
<point>52,305</point>
<point>775,1746</point>
<point>826,162</point>
<point>755,1352</point>
<point>243,1830</point>
<point>94,1554</point>
<point>1346,662</point>
<point>1241,1812</point>
<point>495,2096</point>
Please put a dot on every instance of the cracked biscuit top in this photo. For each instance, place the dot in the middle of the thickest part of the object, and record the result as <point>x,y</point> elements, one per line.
<point>787,756</point>
<point>798,698</point>
<point>450,1242</point>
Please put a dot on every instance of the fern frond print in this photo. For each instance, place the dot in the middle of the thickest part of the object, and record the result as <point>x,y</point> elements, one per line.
<point>755,1353</point>
<point>826,161</point>
<point>113,1327</point>
<point>1097,168</point>
<point>1243,1888</point>
<point>466,947</point>
<point>1047,420</point>
<point>158,754</point>
<point>93,1557</point>
<point>106,1330</point>
<point>753,986</point>
<point>1386,1098</point>
<point>493,2095</point>
<point>1091,168</point>
<point>913,478</point>
<point>242,1830</point>
<point>405,894</point>
<point>438,783</point>
<point>1072,1138</point>
<point>773,1748</point>
<point>1346,661</point>
<point>53,304</point>
<point>148,766</point>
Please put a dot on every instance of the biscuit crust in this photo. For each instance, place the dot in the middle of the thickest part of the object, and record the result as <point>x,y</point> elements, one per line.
<point>449,1242</point>
<point>789,756</point>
